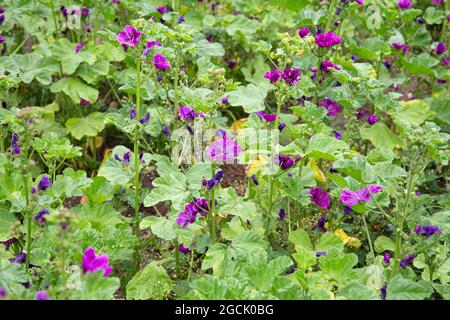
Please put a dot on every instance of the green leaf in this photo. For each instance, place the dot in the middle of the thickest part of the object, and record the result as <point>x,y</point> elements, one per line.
<point>304,257</point>
<point>433,15</point>
<point>338,266</point>
<point>7,222</point>
<point>251,98</point>
<point>76,89</point>
<point>89,126</point>
<point>300,238</point>
<point>294,5</point>
<point>152,282</point>
<point>95,286</point>
<point>414,111</point>
<point>236,206</point>
<point>356,291</point>
<point>325,147</point>
<point>99,191</point>
<point>381,136</point>
<point>208,49</point>
<point>383,243</point>
<point>162,227</point>
<point>65,52</point>
<point>329,241</point>
<point>53,147</point>
<point>400,288</point>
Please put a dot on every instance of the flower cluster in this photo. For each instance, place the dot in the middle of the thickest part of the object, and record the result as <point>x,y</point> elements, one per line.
<point>401,46</point>
<point>93,262</point>
<point>333,108</point>
<point>191,210</point>
<point>286,162</point>
<point>350,198</point>
<point>187,113</point>
<point>214,181</point>
<point>143,120</point>
<point>129,36</point>
<point>405,262</point>
<point>326,65</point>
<point>41,215</point>
<point>15,144</point>
<point>126,158</point>
<point>290,76</point>
<point>320,197</point>
<point>224,148</point>
<point>427,231</point>
<point>327,39</point>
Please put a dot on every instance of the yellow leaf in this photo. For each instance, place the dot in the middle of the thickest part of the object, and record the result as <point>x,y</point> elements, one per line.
<point>256,164</point>
<point>237,125</point>
<point>351,241</point>
<point>318,174</point>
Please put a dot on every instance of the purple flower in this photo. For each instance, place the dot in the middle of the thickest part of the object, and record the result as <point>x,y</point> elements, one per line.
<point>187,113</point>
<point>437,2</point>
<point>446,62</point>
<point>383,292</point>
<point>255,180</point>
<point>321,253</point>
<point>360,2</point>
<point>320,197</point>
<point>269,118</point>
<point>321,224</point>
<point>2,39</point>
<point>291,76</point>
<point>8,243</point>
<point>149,45</point>
<point>327,39</point>
<point>129,37</point>
<point>404,4</point>
<point>84,102</point>
<point>303,32</point>
<point>183,249</point>
<point>133,113</point>
<point>44,184</point>
<point>350,198</point>
<point>325,65</point>
<point>360,113</point>
<point>92,262</point>
<point>223,149</point>
<point>166,131</point>
<point>160,62</point>
<point>15,144</point>
<point>85,12</point>
<point>427,231</point>
<point>347,210</point>
<point>231,63</point>
<point>285,162</point>
<point>404,263</point>
<point>2,10</point>
<point>332,107</point>
<point>145,118</point>
<point>3,293</point>
<point>273,75</point>
<point>372,119</point>
<point>161,9</point>
<point>126,157</point>
<point>188,215</point>
<point>78,47</point>
<point>202,205</point>
<point>40,216</point>
<point>282,214</point>
<point>181,19</point>
<point>401,46</point>
<point>224,100</point>
<point>440,48</point>
<point>20,258</point>
<point>337,134</point>
<point>387,258</point>
<point>42,295</point>
<point>281,126</point>
<point>2,19</point>
<point>215,180</point>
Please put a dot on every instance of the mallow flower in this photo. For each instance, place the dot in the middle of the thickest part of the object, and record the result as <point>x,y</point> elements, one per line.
<point>129,36</point>
<point>187,113</point>
<point>303,32</point>
<point>41,295</point>
<point>350,198</point>
<point>333,108</point>
<point>404,4</point>
<point>427,231</point>
<point>44,183</point>
<point>93,262</point>
<point>224,148</point>
<point>328,39</point>
<point>440,48</point>
<point>320,197</point>
<point>269,118</point>
<point>160,62</point>
<point>273,75</point>
<point>149,45</point>
<point>291,76</point>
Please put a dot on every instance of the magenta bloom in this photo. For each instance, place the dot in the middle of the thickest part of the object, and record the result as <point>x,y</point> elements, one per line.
<point>224,100</point>
<point>223,149</point>
<point>372,119</point>
<point>332,107</point>
<point>437,2</point>
<point>187,113</point>
<point>440,48</point>
<point>320,197</point>
<point>160,62</point>
<point>161,9</point>
<point>325,65</point>
<point>400,46</point>
<point>41,295</point>
<point>446,62</point>
<point>291,76</point>
<point>387,258</point>
<point>286,162</point>
<point>303,32</point>
<point>44,183</point>
<point>2,39</point>
<point>404,4</point>
<point>266,116</point>
<point>360,2</point>
<point>149,45</point>
<point>79,47</point>
<point>337,134</point>
<point>350,198</point>
<point>183,249</point>
<point>129,37</point>
<point>273,75</point>
<point>327,39</point>
<point>93,262</point>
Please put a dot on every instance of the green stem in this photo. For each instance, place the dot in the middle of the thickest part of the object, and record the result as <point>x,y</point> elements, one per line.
<point>269,211</point>
<point>27,219</point>
<point>191,263</point>
<point>177,258</point>
<point>213,217</point>
<point>175,88</point>
<point>55,21</point>
<point>372,252</point>
<point>136,159</point>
